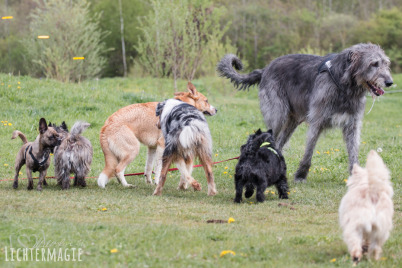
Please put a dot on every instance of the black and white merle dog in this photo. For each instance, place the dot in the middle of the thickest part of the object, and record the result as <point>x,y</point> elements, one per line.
<point>187,136</point>
<point>260,165</point>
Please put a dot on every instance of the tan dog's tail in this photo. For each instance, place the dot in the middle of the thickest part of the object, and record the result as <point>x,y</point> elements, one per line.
<point>19,133</point>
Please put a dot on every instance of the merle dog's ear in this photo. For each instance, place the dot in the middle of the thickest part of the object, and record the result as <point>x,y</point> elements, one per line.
<point>42,126</point>
<point>64,126</point>
<point>159,108</point>
<point>269,131</point>
<point>258,132</point>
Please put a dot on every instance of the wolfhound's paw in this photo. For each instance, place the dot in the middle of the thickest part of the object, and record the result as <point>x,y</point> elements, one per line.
<point>212,192</point>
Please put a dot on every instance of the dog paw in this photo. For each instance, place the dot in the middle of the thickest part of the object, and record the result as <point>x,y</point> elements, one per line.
<point>30,187</point>
<point>39,188</point>
<point>237,200</point>
<point>300,180</point>
<point>157,192</point>
<point>196,186</point>
<point>128,185</point>
<point>15,185</point>
<point>212,192</point>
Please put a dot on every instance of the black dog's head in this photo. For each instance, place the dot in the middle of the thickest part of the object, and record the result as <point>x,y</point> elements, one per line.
<point>256,140</point>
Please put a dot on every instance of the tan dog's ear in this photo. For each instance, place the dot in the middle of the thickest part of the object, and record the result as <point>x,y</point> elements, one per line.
<point>191,88</point>
<point>42,126</point>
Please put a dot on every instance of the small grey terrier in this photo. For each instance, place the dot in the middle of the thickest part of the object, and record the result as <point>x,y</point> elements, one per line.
<point>73,155</point>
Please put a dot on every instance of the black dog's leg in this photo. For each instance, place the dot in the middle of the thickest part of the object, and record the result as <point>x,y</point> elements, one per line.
<point>249,190</point>
<point>260,192</point>
<point>75,180</point>
<point>239,188</point>
<point>312,138</point>
<point>351,136</point>
<point>282,187</point>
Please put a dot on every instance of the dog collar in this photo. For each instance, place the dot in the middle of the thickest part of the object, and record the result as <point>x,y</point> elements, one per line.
<point>325,66</point>
<point>268,145</point>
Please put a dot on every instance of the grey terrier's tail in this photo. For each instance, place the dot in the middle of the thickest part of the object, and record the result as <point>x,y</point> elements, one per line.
<point>78,128</point>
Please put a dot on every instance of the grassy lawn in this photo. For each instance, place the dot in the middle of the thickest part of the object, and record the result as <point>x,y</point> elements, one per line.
<point>118,227</point>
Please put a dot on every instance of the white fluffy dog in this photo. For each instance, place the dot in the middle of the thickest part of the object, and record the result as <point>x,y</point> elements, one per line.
<point>365,213</point>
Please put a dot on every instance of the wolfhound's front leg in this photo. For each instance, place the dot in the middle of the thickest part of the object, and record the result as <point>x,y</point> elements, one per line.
<point>351,135</point>
<point>312,137</point>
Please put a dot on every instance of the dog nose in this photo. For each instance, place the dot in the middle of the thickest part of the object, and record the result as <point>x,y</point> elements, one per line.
<point>216,110</point>
<point>389,83</point>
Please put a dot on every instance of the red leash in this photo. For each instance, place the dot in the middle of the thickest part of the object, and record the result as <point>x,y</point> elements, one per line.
<point>131,174</point>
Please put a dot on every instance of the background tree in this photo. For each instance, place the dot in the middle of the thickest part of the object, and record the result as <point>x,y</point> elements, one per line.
<point>72,34</point>
<point>176,36</point>
<point>132,12</point>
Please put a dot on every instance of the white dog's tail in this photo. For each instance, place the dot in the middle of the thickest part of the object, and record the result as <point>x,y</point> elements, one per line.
<point>378,175</point>
<point>78,128</point>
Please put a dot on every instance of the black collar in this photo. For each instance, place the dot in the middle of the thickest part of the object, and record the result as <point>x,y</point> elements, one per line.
<point>325,66</point>
<point>36,162</point>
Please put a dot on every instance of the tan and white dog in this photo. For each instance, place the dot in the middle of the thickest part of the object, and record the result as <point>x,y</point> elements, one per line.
<point>124,130</point>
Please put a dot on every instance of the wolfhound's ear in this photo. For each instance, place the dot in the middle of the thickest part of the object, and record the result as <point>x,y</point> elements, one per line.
<point>191,88</point>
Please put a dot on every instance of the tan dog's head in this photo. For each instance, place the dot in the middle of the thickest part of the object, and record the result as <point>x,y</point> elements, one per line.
<point>197,99</point>
<point>48,135</point>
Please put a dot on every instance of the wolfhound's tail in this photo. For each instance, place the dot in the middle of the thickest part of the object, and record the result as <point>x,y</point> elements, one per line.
<point>241,81</point>
<point>20,134</point>
<point>78,128</point>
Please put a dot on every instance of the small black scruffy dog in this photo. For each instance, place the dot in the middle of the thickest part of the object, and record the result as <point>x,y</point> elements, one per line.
<point>260,165</point>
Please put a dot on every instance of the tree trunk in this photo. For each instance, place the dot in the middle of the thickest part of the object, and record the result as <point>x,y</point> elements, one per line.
<point>123,46</point>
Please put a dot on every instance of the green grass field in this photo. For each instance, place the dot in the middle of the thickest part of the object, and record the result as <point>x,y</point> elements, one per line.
<point>121,227</point>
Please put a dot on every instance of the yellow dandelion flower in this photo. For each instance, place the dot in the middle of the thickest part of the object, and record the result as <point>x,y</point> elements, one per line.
<point>230,176</point>
<point>104,209</point>
<point>225,172</point>
<point>6,165</point>
<point>19,83</point>
<point>2,84</point>
<point>230,220</point>
<point>216,154</point>
<point>318,152</point>
<point>294,191</point>
<point>4,124</point>
<point>224,252</point>
<point>383,258</point>
<point>10,124</point>
<point>9,85</point>
<point>51,154</point>
<point>333,260</point>
<point>115,250</point>
<point>345,180</point>
<point>327,152</point>
<point>363,142</point>
<point>226,167</point>
<point>20,173</point>
<point>272,192</point>
<point>18,87</point>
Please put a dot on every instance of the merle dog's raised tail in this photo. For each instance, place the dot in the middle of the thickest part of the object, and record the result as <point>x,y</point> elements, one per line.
<point>227,68</point>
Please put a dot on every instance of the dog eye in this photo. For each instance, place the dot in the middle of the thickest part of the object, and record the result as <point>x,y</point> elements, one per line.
<point>375,64</point>
<point>206,101</point>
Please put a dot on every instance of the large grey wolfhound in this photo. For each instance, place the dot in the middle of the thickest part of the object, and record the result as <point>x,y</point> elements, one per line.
<point>325,92</point>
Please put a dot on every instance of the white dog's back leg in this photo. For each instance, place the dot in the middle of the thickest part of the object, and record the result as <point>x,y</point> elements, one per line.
<point>353,237</point>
